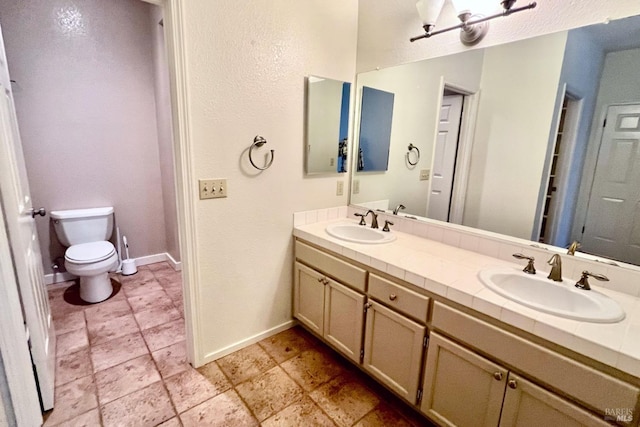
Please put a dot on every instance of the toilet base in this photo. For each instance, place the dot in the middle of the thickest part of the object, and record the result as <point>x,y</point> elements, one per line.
<point>95,288</point>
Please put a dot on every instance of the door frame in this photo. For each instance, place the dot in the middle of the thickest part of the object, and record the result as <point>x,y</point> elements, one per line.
<point>183,147</point>
<point>465,146</point>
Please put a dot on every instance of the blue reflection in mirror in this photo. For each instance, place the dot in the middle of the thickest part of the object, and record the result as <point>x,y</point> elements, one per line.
<point>375,130</point>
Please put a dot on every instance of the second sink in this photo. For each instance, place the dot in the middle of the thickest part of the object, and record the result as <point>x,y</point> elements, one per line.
<point>558,298</point>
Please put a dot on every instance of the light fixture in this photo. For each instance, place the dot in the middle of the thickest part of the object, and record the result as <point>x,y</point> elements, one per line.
<point>472,27</point>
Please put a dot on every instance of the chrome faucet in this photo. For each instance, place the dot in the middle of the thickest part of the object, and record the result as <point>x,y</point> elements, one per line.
<point>556,268</point>
<point>583,283</point>
<point>374,218</point>
<point>397,209</point>
<point>571,250</point>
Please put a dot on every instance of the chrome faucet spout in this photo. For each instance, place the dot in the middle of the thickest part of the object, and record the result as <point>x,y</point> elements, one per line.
<point>397,209</point>
<point>374,218</point>
<point>556,268</point>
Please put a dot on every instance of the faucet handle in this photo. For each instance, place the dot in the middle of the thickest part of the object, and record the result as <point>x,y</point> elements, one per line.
<point>530,268</point>
<point>583,283</point>
<point>571,250</point>
<point>387,223</point>
<point>362,221</point>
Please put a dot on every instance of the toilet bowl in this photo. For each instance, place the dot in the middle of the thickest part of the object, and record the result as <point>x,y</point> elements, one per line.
<point>89,255</point>
<point>91,262</point>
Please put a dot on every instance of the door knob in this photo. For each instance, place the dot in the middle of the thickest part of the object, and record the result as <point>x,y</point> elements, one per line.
<point>34,213</point>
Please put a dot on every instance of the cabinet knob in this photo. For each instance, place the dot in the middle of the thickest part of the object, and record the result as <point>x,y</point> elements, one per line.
<point>497,376</point>
<point>393,297</point>
<point>513,384</point>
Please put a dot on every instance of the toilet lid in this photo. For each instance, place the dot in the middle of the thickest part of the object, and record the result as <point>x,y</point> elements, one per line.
<point>85,253</point>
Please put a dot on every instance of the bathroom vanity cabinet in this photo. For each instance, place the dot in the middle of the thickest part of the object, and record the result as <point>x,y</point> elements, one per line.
<point>455,365</point>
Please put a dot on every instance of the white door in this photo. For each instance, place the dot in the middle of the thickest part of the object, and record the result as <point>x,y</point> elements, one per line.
<point>444,157</point>
<point>23,239</point>
<point>612,225</point>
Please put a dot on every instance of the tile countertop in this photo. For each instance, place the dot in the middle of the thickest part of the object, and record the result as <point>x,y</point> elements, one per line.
<point>452,273</point>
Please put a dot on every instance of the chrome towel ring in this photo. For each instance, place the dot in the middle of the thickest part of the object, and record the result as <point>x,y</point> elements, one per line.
<point>411,148</point>
<point>259,141</point>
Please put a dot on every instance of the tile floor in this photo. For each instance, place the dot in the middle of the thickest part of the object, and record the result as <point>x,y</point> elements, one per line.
<point>122,363</point>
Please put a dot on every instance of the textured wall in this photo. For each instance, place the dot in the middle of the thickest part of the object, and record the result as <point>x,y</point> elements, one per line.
<point>246,68</point>
<point>388,44</point>
<point>86,109</point>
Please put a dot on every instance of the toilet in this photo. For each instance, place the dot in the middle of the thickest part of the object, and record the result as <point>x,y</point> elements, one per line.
<point>89,255</point>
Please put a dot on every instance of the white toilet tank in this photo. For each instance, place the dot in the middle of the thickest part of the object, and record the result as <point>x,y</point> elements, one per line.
<point>83,225</point>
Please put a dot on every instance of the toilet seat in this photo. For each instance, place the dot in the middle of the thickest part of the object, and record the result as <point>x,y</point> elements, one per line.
<point>87,253</point>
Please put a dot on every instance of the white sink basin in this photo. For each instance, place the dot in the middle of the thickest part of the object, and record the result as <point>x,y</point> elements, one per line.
<point>558,298</point>
<point>359,233</point>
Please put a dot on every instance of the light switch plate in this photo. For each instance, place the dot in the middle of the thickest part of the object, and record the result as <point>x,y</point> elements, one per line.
<point>356,186</point>
<point>340,188</point>
<point>212,188</point>
<point>424,174</point>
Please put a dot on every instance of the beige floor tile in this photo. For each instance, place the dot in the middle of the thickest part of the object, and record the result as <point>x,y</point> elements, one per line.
<point>125,378</point>
<point>101,332</point>
<point>88,419</point>
<point>71,342</point>
<point>224,410</point>
<point>150,300</point>
<point>60,308</point>
<point>188,389</point>
<point>155,316</point>
<point>70,322</point>
<point>301,413</point>
<point>173,422</point>
<point>288,344</point>
<point>161,269</point>
<point>70,367</point>
<point>345,399</point>
<point>164,335</point>
<point>105,311</point>
<point>382,416</point>
<point>312,368</point>
<point>147,407</point>
<point>133,289</point>
<point>269,392</point>
<point>117,351</point>
<point>175,294</point>
<point>213,373</point>
<point>142,276</point>
<point>171,360</point>
<point>245,363</point>
<point>73,399</point>
<point>171,280</point>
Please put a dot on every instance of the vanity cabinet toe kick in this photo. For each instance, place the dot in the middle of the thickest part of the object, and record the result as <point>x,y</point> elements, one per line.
<point>454,367</point>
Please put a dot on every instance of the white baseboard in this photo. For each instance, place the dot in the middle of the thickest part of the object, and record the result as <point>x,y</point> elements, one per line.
<point>177,265</point>
<point>248,341</point>
<point>53,278</point>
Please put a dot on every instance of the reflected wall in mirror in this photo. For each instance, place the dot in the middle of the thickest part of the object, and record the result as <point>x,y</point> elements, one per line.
<point>327,125</point>
<point>376,116</point>
<point>532,158</point>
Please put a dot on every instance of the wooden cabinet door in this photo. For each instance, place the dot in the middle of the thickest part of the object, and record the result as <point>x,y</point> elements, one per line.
<point>461,388</point>
<point>344,319</point>
<point>308,297</point>
<point>393,350</point>
<point>526,404</point>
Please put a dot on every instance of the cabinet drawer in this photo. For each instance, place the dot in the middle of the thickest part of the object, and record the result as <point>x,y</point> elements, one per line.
<point>342,271</point>
<point>399,297</point>
<point>593,388</point>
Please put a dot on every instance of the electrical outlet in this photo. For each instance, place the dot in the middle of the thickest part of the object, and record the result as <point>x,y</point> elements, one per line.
<point>340,188</point>
<point>332,161</point>
<point>212,188</point>
<point>425,174</point>
<point>356,186</point>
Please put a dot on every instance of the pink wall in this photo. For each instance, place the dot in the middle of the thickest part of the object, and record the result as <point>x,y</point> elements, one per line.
<point>86,108</point>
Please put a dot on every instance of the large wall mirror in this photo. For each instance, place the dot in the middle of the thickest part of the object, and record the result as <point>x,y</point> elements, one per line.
<point>327,125</point>
<point>513,139</point>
